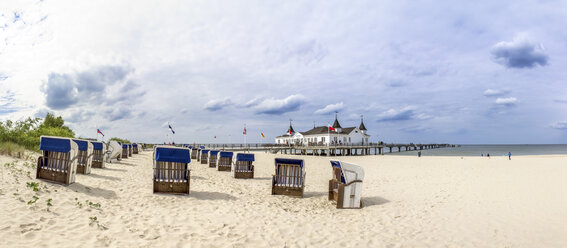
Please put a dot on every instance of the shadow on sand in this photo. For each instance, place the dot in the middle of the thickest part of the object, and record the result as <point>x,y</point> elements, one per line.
<point>373,201</point>
<point>112,169</point>
<point>97,192</point>
<point>104,177</point>
<point>314,194</point>
<point>206,195</point>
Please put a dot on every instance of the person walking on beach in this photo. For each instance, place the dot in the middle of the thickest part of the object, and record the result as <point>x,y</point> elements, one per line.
<point>488,155</point>
<point>509,156</point>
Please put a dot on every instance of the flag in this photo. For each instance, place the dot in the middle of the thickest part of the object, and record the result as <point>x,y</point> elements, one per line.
<point>98,131</point>
<point>262,134</point>
<point>170,128</point>
<point>332,128</point>
<point>244,131</point>
<point>289,131</point>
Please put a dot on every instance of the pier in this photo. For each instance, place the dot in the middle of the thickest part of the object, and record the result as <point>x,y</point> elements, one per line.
<point>322,150</point>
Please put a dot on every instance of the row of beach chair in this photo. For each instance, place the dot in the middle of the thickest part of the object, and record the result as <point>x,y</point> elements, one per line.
<point>62,158</point>
<point>172,173</point>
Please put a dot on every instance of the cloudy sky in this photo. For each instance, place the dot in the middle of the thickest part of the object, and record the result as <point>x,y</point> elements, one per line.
<point>419,71</point>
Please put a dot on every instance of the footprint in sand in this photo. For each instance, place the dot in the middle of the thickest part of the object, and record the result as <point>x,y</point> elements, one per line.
<point>24,228</point>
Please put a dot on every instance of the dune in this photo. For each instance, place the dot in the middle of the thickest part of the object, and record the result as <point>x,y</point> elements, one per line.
<point>408,202</point>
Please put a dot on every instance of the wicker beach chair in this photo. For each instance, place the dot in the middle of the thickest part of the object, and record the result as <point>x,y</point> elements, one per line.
<point>289,178</point>
<point>204,156</point>
<point>124,150</point>
<point>346,184</point>
<point>58,162</point>
<point>84,156</point>
<point>213,158</point>
<point>135,149</point>
<point>224,161</point>
<point>129,150</point>
<point>171,169</point>
<point>242,166</point>
<point>98,154</point>
<point>194,152</point>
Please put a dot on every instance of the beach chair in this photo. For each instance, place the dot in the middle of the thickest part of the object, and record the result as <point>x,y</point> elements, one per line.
<point>98,154</point>
<point>224,161</point>
<point>114,151</point>
<point>204,156</point>
<point>346,184</point>
<point>58,160</point>
<point>289,178</point>
<point>171,169</point>
<point>84,156</point>
<point>194,153</point>
<point>135,148</point>
<point>129,150</point>
<point>213,158</point>
<point>124,150</point>
<point>242,167</point>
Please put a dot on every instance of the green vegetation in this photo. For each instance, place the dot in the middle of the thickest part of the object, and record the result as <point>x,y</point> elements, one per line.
<point>20,135</point>
<point>123,141</point>
<point>33,185</point>
<point>35,198</point>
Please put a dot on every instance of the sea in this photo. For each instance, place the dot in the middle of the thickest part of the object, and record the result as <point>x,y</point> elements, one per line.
<point>493,150</point>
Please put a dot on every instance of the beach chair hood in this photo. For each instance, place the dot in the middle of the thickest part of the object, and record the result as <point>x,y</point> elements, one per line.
<point>53,144</point>
<point>289,161</point>
<point>204,151</point>
<point>244,157</point>
<point>225,154</point>
<point>83,144</point>
<point>214,153</point>
<point>97,145</point>
<point>349,172</point>
<point>170,154</point>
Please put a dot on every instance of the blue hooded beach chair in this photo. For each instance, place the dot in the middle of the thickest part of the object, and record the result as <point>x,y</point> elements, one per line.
<point>171,169</point>
<point>84,156</point>
<point>58,162</point>
<point>289,178</point>
<point>98,154</point>
<point>224,161</point>
<point>242,167</point>
<point>213,155</point>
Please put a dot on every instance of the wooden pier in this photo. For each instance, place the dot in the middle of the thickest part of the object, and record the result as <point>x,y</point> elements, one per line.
<point>322,150</point>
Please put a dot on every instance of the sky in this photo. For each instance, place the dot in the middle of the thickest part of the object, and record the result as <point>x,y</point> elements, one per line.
<point>460,72</point>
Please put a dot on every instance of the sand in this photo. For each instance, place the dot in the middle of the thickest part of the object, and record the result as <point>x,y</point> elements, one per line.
<point>409,202</point>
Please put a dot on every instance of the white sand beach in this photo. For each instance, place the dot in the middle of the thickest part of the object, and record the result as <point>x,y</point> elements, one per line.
<point>408,202</point>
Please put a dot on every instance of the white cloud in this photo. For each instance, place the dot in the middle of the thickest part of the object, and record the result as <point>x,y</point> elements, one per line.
<point>508,101</point>
<point>519,53</point>
<point>274,106</point>
<point>330,108</point>
<point>217,104</point>
<point>495,93</point>
<point>561,125</point>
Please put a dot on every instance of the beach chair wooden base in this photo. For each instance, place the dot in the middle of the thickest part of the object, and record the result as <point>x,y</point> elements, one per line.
<point>204,161</point>
<point>173,187</point>
<point>50,175</point>
<point>135,152</point>
<point>244,174</point>
<point>223,168</point>
<point>212,165</point>
<point>289,191</point>
<point>97,164</point>
<point>81,169</point>
<point>337,193</point>
<point>124,156</point>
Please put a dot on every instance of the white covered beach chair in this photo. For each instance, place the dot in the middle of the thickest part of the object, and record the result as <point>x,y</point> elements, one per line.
<point>58,162</point>
<point>171,169</point>
<point>242,166</point>
<point>346,185</point>
<point>289,178</point>
<point>98,154</point>
<point>85,156</point>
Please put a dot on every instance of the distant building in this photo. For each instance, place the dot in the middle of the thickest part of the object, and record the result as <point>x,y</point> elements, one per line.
<point>323,136</point>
